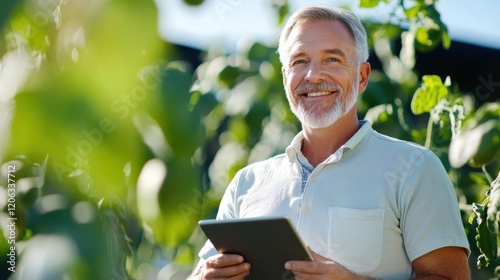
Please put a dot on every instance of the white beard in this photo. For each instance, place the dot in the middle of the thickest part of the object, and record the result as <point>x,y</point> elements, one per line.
<point>315,116</point>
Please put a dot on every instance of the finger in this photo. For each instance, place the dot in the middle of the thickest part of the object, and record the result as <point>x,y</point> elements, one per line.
<point>304,266</point>
<point>317,256</point>
<point>223,260</point>
<point>228,272</point>
<point>240,276</point>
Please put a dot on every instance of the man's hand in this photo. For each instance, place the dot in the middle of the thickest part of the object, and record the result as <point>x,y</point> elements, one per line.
<point>223,266</point>
<point>319,268</point>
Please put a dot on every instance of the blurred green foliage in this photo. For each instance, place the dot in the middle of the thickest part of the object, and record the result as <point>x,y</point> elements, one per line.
<point>116,150</point>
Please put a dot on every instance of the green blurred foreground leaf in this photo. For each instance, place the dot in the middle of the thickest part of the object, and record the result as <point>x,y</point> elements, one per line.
<point>140,147</point>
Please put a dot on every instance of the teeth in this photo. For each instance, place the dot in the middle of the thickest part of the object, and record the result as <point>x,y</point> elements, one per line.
<point>312,94</point>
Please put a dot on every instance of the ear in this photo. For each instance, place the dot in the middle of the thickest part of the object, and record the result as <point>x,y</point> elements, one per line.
<point>364,74</point>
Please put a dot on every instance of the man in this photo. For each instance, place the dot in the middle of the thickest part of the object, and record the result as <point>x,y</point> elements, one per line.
<point>368,206</point>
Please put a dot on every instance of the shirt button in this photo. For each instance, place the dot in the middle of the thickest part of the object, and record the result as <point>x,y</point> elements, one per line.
<point>306,210</point>
<point>313,178</point>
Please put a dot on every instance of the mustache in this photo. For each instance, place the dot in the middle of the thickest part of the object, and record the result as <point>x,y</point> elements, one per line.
<point>308,87</point>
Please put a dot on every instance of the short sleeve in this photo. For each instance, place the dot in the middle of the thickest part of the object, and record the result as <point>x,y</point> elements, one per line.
<point>430,215</point>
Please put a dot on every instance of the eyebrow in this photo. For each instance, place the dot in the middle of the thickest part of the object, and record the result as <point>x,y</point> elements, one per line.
<point>335,51</point>
<point>338,52</point>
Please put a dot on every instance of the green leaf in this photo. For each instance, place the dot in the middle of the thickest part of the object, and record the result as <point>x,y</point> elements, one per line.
<point>391,31</point>
<point>445,38</point>
<point>205,104</point>
<point>427,38</point>
<point>180,201</point>
<point>239,129</point>
<point>413,11</point>
<point>6,7</point>
<point>489,145</point>
<point>432,13</point>
<point>228,76</point>
<point>182,126</point>
<point>379,113</point>
<point>368,3</point>
<point>433,30</point>
<point>259,52</point>
<point>283,11</point>
<point>477,178</point>
<point>194,2</point>
<point>488,111</point>
<point>494,205</point>
<point>485,238</point>
<point>169,199</point>
<point>479,141</point>
<point>428,94</point>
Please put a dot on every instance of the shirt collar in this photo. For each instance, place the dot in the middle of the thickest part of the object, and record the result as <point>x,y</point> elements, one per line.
<point>293,150</point>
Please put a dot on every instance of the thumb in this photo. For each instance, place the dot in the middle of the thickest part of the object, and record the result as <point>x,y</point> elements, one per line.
<point>316,256</point>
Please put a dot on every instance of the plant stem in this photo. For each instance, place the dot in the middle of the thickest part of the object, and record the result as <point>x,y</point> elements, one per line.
<point>488,177</point>
<point>428,137</point>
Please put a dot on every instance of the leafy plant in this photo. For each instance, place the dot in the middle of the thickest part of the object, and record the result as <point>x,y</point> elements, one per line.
<point>120,149</point>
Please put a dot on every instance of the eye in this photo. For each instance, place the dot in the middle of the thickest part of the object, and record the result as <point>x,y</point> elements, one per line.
<point>298,61</point>
<point>332,59</point>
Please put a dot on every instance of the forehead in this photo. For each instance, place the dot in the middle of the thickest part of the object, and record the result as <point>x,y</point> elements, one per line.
<point>320,35</point>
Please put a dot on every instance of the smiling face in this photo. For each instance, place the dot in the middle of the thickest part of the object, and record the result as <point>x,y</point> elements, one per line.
<point>321,73</point>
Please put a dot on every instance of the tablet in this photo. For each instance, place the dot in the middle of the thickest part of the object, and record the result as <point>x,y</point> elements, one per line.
<point>265,242</point>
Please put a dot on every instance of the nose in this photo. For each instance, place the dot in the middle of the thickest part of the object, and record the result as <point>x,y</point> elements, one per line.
<point>315,73</point>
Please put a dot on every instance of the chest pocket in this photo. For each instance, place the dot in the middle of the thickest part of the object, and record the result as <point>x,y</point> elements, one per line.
<point>355,237</point>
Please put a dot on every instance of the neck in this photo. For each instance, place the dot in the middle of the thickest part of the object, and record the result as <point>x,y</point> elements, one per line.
<point>320,143</point>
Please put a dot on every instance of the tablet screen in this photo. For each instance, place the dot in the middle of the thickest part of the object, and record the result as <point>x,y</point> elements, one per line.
<point>265,242</point>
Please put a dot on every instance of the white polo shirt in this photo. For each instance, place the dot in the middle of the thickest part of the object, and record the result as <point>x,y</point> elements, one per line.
<point>374,206</point>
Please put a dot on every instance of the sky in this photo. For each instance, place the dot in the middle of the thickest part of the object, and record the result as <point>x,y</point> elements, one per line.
<point>228,24</point>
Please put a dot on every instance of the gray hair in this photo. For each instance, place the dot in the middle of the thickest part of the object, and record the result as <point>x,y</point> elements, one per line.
<point>319,13</point>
